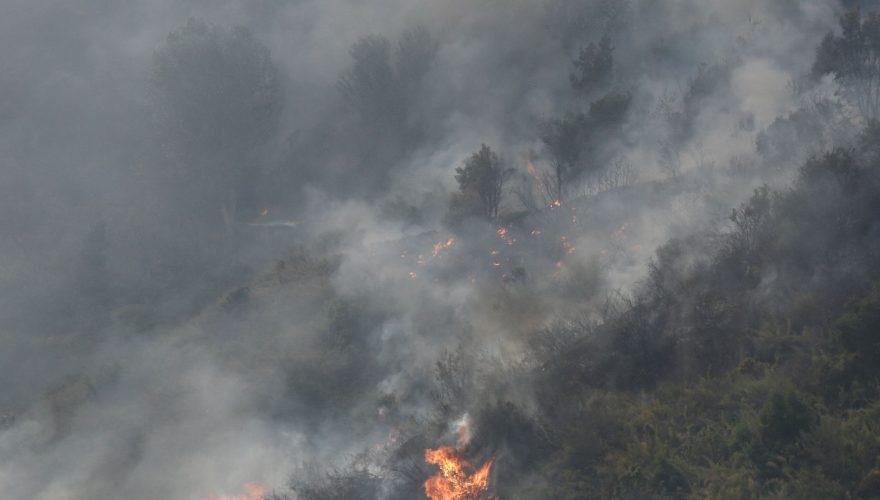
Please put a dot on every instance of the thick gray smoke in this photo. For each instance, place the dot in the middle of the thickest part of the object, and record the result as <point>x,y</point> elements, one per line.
<point>209,282</point>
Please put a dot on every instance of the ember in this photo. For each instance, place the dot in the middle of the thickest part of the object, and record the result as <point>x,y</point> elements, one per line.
<point>438,247</point>
<point>566,245</point>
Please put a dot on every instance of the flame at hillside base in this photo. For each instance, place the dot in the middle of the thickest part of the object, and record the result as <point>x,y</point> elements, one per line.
<point>252,491</point>
<point>454,481</point>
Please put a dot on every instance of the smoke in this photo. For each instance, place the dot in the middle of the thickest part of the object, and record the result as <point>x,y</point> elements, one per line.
<point>166,357</point>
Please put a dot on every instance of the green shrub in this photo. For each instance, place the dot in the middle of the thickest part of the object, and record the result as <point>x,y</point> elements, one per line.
<point>784,417</point>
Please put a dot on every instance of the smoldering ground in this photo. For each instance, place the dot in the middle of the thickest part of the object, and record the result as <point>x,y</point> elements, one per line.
<point>165,339</point>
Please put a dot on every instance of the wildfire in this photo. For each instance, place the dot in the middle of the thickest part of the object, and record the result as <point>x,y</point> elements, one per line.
<point>454,481</point>
<point>412,274</point>
<point>252,491</point>
<point>558,272</point>
<point>556,204</point>
<point>566,245</point>
<point>530,168</point>
<point>440,246</point>
<point>504,234</point>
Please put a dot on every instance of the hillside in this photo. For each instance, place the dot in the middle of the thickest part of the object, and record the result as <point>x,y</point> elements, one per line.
<point>454,250</point>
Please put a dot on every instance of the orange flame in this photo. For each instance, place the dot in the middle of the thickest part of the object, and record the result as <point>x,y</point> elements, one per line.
<point>438,247</point>
<point>556,204</point>
<point>566,245</point>
<point>530,168</point>
<point>252,491</point>
<point>558,273</point>
<point>454,481</point>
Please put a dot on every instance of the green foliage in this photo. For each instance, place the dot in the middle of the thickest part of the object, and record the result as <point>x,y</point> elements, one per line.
<point>564,139</point>
<point>783,417</point>
<point>483,174</point>
<point>354,483</point>
<point>481,186</point>
<point>859,334</point>
<point>370,85</point>
<point>216,97</point>
<point>852,57</point>
<point>576,142</point>
<point>504,424</point>
<point>215,89</point>
<point>329,376</point>
<point>593,67</point>
<point>738,436</point>
<point>710,383</point>
<point>383,88</point>
<point>382,83</point>
<point>609,110</point>
<point>837,169</point>
<point>681,112</point>
<point>667,478</point>
<point>463,206</point>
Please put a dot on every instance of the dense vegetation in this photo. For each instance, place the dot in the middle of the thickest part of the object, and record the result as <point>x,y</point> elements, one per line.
<point>576,248</point>
<point>714,384</point>
<point>745,364</point>
<point>710,382</point>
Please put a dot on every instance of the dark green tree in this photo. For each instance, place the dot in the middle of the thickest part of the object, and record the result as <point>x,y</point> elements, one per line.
<point>382,83</point>
<point>594,66</point>
<point>481,184</point>
<point>574,144</point>
<point>564,142</point>
<point>382,88</point>
<point>216,96</point>
<point>853,57</point>
<point>415,54</point>
<point>370,85</point>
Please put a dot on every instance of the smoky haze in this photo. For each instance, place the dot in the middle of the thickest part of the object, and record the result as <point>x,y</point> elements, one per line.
<point>236,250</point>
